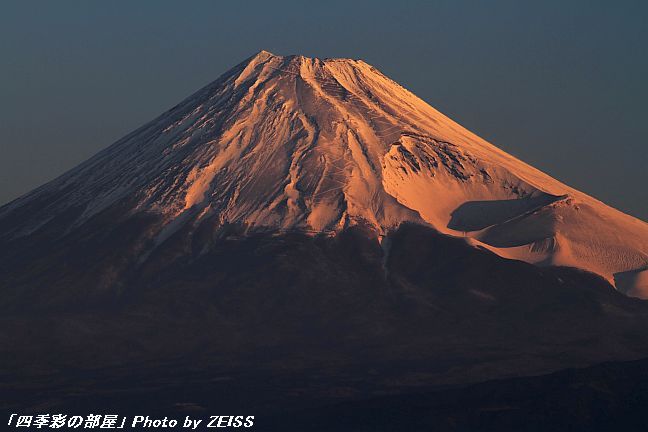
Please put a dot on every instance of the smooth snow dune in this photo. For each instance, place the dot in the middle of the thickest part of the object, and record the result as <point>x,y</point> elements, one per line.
<point>634,283</point>
<point>296,143</point>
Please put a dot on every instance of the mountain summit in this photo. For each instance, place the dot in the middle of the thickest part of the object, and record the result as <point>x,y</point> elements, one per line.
<point>284,144</point>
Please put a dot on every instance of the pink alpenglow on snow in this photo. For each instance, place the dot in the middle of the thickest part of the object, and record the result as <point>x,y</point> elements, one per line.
<point>296,143</point>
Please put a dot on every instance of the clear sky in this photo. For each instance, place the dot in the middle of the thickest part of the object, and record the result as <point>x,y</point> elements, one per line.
<point>561,84</point>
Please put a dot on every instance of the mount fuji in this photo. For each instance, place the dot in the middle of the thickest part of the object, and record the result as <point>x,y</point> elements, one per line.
<point>300,214</point>
<point>300,144</point>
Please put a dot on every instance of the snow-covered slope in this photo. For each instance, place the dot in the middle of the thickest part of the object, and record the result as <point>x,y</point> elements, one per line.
<point>295,143</point>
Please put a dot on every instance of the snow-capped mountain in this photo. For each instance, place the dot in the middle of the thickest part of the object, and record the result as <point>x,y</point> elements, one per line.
<point>287,144</point>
